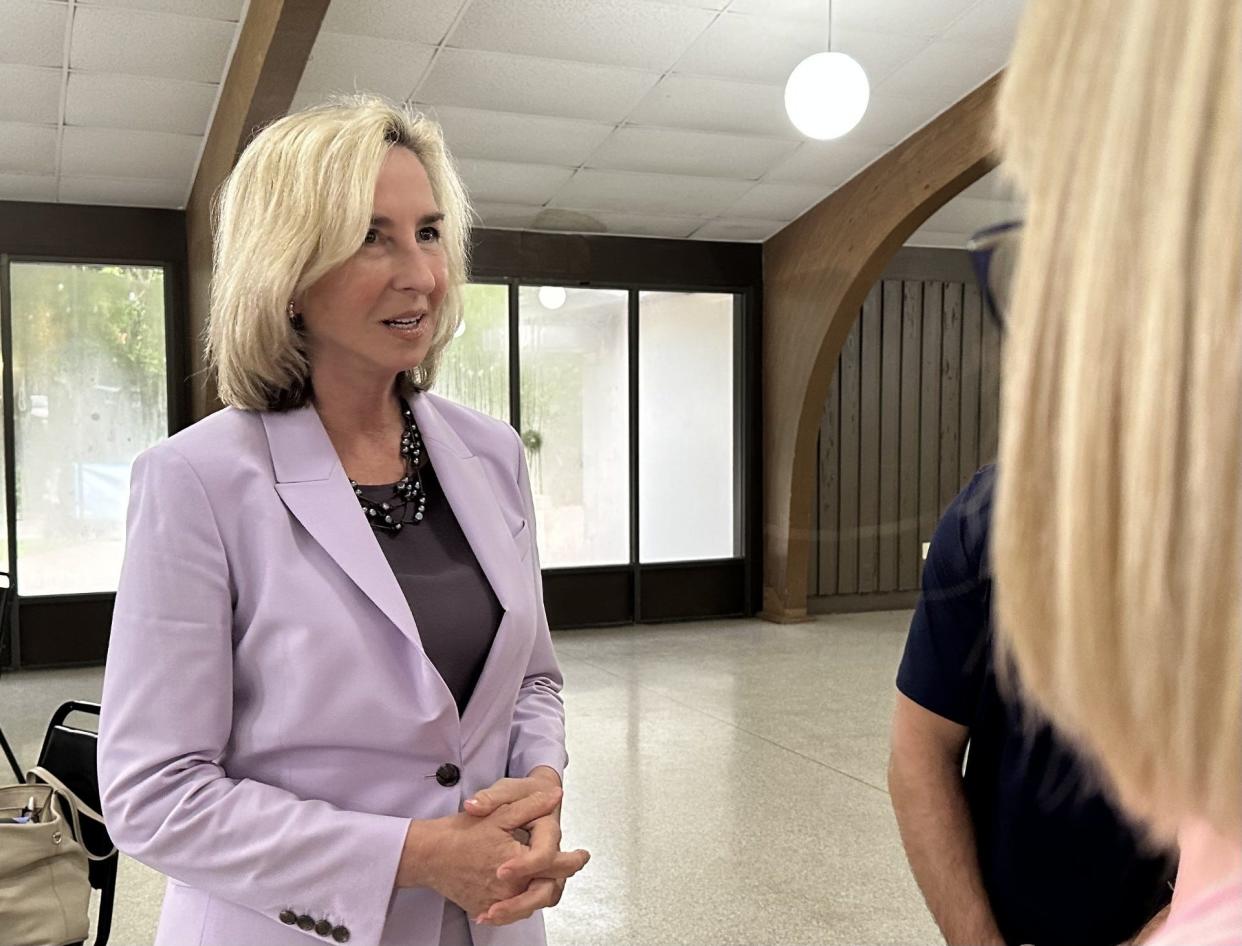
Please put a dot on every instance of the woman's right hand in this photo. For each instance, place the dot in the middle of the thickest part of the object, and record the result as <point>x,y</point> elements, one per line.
<point>458,856</point>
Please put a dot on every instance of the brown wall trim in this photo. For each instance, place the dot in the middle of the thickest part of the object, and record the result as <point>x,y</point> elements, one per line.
<point>855,604</point>
<point>580,259</point>
<point>81,231</point>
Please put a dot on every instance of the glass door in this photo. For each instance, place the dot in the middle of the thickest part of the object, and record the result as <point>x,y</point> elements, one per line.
<point>87,391</point>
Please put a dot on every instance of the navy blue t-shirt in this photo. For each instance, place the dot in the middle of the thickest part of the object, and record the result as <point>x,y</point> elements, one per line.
<point>1059,863</point>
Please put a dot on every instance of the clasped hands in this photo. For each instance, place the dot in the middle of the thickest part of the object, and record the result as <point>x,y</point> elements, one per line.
<point>475,858</point>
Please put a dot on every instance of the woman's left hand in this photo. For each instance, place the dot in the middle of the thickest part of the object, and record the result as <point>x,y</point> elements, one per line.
<point>533,865</point>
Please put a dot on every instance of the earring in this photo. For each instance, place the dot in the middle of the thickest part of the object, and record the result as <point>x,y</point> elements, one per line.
<point>292,314</point>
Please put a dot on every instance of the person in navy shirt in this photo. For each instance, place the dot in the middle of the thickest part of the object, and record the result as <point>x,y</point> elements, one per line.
<point>1019,846</point>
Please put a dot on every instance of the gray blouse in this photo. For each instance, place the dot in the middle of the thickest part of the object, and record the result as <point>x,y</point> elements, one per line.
<point>456,611</point>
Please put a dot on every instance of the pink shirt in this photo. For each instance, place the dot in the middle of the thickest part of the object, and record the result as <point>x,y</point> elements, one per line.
<point>1212,919</point>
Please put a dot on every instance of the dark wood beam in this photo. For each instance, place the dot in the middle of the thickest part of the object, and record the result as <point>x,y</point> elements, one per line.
<point>272,51</point>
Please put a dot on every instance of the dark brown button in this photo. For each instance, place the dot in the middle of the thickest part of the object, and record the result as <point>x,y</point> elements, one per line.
<point>305,923</point>
<point>448,775</point>
<point>323,927</point>
<point>288,917</point>
<point>341,934</point>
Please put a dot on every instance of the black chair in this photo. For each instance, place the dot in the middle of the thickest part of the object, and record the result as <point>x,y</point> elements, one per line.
<point>5,594</point>
<point>69,753</point>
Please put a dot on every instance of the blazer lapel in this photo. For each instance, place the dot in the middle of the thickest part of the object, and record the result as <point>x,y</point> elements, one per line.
<point>314,487</point>
<point>469,493</point>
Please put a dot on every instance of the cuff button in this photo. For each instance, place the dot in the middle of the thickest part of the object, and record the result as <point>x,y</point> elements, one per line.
<point>288,917</point>
<point>323,927</point>
<point>305,923</point>
<point>341,934</point>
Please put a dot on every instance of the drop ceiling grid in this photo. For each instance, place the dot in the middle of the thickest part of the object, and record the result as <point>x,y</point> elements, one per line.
<point>129,116</point>
<point>598,159</point>
<point>740,169</point>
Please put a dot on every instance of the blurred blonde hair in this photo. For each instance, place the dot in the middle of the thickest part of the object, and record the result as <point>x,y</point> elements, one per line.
<point>296,206</point>
<point>1117,524</point>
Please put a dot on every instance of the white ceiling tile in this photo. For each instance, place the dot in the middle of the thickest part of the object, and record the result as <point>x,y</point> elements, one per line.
<point>529,139</point>
<point>750,49</point>
<point>30,94</point>
<point>342,63</point>
<point>498,182</point>
<point>946,71</point>
<point>827,163</point>
<point>426,21</point>
<point>809,11</point>
<point>764,49</point>
<point>304,98</point>
<point>27,187</point>
<point>990,21</point>
<point>938,239</point>
<point>777,201</point>
<point>211,9</point>
<point>172,47</point>
<point>699,4</point>
<point>880,54</point>
<point>892,118</point>
<point>906,17</point>
<point>111,152</point>
<point>716,105</point>
<point>506,216</point>
<point>909,17</point>
<point>746,231</point>
<point>506,83</point>
<point>966,215</point>
<point>629,224</point>
<point>27,149</point>
<point>995,185</point>
<point>666,151</point>
<point>33,32</point>
<point>641,35</point>
<point>101,100</point>
<point>127,193</point>
<point>669,194</point>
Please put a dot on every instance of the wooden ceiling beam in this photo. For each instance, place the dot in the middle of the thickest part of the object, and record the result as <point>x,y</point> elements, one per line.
<point>273,48</point>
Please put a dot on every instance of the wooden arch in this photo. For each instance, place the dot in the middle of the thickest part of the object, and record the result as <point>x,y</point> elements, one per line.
<point>817,271</point>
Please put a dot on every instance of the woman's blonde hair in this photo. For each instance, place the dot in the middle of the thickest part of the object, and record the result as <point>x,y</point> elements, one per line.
<point>1117,545</point>
<point>296,206</point>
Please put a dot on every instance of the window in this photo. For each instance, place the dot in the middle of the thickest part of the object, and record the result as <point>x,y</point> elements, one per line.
<point>474,370</point>
<point>687,450</point>
<point>575,421</point>
<point>90,393</point>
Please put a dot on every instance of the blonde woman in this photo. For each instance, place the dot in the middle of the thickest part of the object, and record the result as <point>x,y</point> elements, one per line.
<point>1118,547</point>
<point>329,633</point>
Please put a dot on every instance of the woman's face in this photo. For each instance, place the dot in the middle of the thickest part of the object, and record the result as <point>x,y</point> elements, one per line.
<point>376,313</point>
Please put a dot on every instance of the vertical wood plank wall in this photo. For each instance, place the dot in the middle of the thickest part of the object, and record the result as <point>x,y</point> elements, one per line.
<point>911,414</point>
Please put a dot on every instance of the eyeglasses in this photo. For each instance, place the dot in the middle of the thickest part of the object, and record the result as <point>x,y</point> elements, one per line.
<point>994,255</point>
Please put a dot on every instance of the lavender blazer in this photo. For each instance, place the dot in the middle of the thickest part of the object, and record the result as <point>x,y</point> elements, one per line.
<point>270,720</point>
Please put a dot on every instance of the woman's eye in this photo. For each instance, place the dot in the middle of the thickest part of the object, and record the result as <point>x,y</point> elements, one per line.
<point>429,235</point>
<point>371,237</point>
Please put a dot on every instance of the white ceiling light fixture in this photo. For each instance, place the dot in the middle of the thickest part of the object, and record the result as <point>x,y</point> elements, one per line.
<point>826,95</point>
<point>552,297</point>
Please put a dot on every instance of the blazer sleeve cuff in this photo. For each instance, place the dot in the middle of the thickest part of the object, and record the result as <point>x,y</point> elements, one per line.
<point>353,907</point>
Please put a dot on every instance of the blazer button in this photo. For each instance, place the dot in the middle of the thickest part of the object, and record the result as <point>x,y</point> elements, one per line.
<point>341,934</point>
<point>288,917</point>
<point>305,923</point>
<point>323,927</point>
<point>448,775</point>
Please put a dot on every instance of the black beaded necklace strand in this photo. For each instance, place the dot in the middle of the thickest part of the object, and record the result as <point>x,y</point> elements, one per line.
<point>408,492</point>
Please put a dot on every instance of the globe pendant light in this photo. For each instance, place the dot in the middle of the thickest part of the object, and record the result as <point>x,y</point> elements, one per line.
<point>827,93</point>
